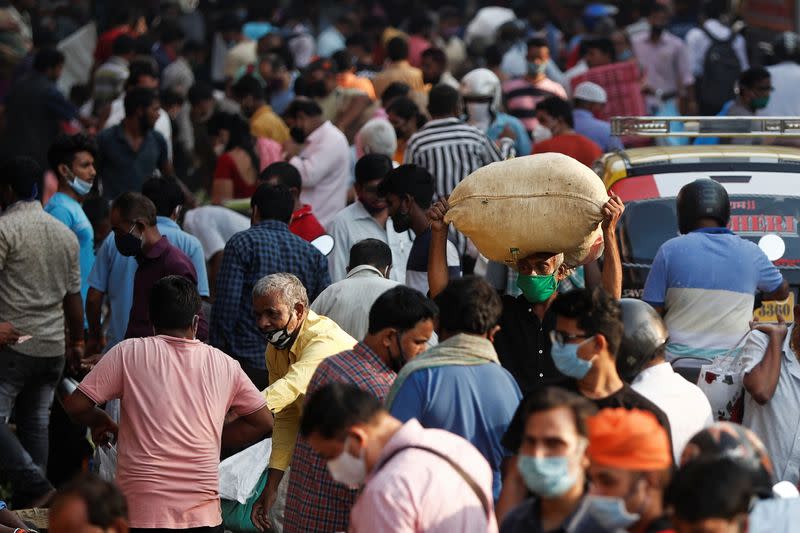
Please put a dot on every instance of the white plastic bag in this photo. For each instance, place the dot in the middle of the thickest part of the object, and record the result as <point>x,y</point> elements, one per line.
<point>722,380</point>
<point>239,474</point>
<point>106,460</point>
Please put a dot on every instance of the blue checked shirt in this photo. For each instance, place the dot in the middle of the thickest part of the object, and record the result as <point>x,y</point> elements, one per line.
<point>266,248</point>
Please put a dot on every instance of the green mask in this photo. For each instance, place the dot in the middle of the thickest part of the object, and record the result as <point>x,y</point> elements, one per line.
<point>537,289</point>
<point>760,102</point>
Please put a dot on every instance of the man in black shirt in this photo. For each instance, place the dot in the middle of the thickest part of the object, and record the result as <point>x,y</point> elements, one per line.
<point>588,332</point>
<point>523,342</point>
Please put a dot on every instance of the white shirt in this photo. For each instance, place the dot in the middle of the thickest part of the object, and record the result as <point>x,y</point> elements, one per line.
<point>163,125</point>
<point>783,101</point>
<point>698,43</point>
<point>777,422</point>
<point>324,166</point>
<point>213,225</point>
<point>347,302</point>
<point>685,405</point>
<point>354,224</point>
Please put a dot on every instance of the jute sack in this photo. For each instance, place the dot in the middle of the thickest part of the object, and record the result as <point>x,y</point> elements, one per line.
<point>538,203</point>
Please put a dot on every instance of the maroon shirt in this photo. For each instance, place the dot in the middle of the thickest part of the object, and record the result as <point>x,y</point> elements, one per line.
<point>163,259</point>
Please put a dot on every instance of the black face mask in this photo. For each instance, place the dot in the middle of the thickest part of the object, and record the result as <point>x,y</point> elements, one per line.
<point>397,363</point>
<point>297,135</point>
<point>402,221</point>
<point>656,31</point>
<point>129,244</point>
<point>317,89</point>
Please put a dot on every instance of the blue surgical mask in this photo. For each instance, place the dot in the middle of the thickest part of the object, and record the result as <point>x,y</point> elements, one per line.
<point>537,69</point>
<point>565,357</point>
<point>610,513</point>
<point>548,477</point>
<point>81,187</point>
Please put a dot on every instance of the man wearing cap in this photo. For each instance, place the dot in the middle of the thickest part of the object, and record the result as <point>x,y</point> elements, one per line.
<point>589,100</point>
<point>630,467</point>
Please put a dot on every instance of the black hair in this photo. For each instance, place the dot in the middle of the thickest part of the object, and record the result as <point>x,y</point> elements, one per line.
<point>419,22</point>
<point>286,173</point>
<point>400,307</point>
<point>655,7</point>
<point>548,398</point>
<point>47,58</point>
<point>274,202</point>
<point>64,148</point>
<point>409,179</point>
<point>397,49</point>
<point>123,45</point>
<point>360,39</point>
<point>303,105</point>
<point>140,67</point>
<point>135,206</point>
<point>165,193</point>
<point>342,60</point>
<point>372,167</point>
<point>248,85</point>
<point>324,64</point>
<point>493,56</point>
<point>335,407</point>
<point>595,311</point>
<point>104,502</point>
<point>138,98</point>
<point>174,302</point>
<point>537,42</point>
<point>557,108</point>
<point>23,174</point>
<point>443,101</point>
<point>96,208</point>
<point>239,133</point>
<point>710,488</point>
<point>170,32</point>
<point>750,77</point>
<point>372,252</point>
<point>396,89</point>
<point>436,54</point>
<point>603,44</point>
<point>468,305</point>
<point>406,109</point>
<point>714,9</point>
<point>200,92</point>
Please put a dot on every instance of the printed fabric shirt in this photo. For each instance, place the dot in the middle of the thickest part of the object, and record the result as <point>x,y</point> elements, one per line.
<point>290,371</point>
<point>38,267</point>
<point>706,281</point>
<point>266,248</point>
<point>315,502</point>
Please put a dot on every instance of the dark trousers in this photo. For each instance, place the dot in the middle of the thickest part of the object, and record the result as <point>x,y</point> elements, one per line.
<point>27,386</point>
<point>207,529</point>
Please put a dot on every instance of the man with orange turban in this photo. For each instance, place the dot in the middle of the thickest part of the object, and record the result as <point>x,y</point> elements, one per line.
<point>631,464</point>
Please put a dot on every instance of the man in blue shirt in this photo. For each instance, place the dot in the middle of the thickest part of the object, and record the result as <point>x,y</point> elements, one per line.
<point>704,281</point>
<point>589,100</point>
<point>113,273</point>
<point>72,161</point>
<point>459,385</point>
<point>267,247</point>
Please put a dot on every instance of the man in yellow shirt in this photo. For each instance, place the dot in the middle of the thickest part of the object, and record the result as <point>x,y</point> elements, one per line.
<point>298,341</point>
<point>249,93</point>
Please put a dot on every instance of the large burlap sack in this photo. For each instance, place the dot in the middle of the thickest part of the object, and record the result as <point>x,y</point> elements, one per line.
<point>538,203</point>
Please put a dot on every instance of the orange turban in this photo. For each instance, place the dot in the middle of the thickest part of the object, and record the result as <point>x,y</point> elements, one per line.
<point>630,439</point>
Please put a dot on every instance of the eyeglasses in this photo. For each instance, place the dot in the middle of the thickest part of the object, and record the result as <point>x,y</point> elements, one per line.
<point>560,338</point>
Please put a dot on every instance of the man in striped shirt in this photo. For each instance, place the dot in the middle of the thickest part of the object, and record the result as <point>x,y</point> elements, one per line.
<point>450,149</point>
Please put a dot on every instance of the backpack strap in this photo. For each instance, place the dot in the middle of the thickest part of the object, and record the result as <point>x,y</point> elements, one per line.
<point>461,472</point>
<point>729,40</point>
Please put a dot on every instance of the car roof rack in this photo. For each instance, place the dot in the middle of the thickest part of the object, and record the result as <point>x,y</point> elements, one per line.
<point>706,126</point>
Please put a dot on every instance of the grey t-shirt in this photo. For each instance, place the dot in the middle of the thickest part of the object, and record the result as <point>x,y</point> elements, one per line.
<point>38,266</point>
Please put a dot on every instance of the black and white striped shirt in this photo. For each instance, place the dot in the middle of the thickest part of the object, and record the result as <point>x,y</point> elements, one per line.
<point>450,150</point>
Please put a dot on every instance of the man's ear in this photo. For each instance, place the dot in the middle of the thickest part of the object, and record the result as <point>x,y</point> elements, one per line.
<point>600,342</point>
<point>299,308</point>
<point>492,332</point>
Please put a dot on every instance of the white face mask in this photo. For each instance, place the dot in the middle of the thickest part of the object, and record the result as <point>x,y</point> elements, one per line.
<point>480,114</point>
<point>348,470</point>
<point>219,149</point>
<point>541,133</point>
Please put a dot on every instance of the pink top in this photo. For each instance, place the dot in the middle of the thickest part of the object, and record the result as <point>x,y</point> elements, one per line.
<point>665,62</point>
<point>174,397</point>
<point>406,494</point>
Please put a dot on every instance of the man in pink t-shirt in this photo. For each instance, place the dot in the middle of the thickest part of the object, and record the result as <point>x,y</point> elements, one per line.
<point>175,393</point>
<point>407,469</point>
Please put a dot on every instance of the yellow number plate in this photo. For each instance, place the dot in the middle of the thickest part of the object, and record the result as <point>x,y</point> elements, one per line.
<point>769,311</point>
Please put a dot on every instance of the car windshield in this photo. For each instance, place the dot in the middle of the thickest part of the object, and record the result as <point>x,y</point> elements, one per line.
<point>646,224</point>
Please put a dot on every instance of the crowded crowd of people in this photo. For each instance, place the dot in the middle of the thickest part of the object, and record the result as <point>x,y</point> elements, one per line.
<point>172,175</point>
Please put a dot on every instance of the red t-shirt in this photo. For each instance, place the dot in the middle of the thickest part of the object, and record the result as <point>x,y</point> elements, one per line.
<point>304,224</point>
<point>576,146</point>
<point>227,170</point>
